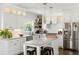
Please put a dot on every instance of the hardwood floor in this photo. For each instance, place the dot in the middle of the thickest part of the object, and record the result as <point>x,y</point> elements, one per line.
<point>64,52</point>
<point>67,52</point>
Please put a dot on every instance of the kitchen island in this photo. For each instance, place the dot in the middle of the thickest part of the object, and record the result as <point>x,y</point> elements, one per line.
<point>12,46</point>
<point>38,44</point>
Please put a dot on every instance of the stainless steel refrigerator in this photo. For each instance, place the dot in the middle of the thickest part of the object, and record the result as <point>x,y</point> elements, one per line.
<point>71,36</point>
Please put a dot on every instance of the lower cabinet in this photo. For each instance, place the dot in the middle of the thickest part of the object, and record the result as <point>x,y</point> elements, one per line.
<point>11,47</point>
<point>14,46</point>
<point>22,43</point>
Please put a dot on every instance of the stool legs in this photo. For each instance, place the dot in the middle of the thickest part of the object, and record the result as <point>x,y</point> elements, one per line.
<point>52,51</point>
<point>47,51</point>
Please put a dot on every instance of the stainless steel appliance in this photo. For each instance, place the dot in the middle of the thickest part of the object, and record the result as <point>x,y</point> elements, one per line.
<point>71,36</point>
<point>67,35</point>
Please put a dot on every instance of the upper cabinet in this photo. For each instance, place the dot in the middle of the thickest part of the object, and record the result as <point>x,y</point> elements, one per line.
<point>71,15</point>
<point>23,20</point>
<point>16,18</point>
<point>51,19</point>
<point>10,21</point>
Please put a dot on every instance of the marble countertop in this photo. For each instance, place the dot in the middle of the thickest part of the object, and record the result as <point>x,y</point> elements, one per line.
<point>14,37</point>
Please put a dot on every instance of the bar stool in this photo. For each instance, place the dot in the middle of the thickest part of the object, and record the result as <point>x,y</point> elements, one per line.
<point>42,50</point>
<point>47,51</point>
<point>31,51</point>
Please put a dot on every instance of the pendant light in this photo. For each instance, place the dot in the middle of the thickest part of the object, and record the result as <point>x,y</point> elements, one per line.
<point>44,15</point>
<point>50,11</point>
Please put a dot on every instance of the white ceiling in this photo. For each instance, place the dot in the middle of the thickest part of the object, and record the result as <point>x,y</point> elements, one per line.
<point>54,5</point>
<point>39,7</point>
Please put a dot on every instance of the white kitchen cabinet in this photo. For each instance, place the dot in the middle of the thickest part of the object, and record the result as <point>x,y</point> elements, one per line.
<point>14,46</point>
<point>10,20</point>
<point>23,20</point>
<point>3,47</point>
<point>60,41</point>
<point>21,44</point>
<point>11,47</point>
<point>15,20</point>
<point>55,44</point>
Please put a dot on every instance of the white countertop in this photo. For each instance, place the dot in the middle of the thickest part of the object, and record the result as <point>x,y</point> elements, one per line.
<point>14,37</point>
<point>43,42</point>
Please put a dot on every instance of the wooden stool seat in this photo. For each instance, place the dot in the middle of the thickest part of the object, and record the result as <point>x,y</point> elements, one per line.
<point>47,51</point>
<point>31,51</point>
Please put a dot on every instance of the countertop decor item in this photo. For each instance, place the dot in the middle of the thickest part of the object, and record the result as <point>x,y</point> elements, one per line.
<point>28,26</point>
<point>5,33</point>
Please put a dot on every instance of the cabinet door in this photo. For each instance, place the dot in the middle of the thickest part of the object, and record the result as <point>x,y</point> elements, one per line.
<point>3,47</point>
<point>67,17</point>
<point>22,43</point>
<point>10,21</point>
<point>18,46</point>
<point>21,21</point>
<point>14,47</point>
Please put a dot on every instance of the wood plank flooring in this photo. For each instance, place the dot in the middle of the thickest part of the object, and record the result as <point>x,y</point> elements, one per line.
<point>67,52</point>
<point>64,52</point>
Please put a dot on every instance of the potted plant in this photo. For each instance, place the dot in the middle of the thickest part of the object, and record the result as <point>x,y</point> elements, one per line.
<point>5,33</point>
